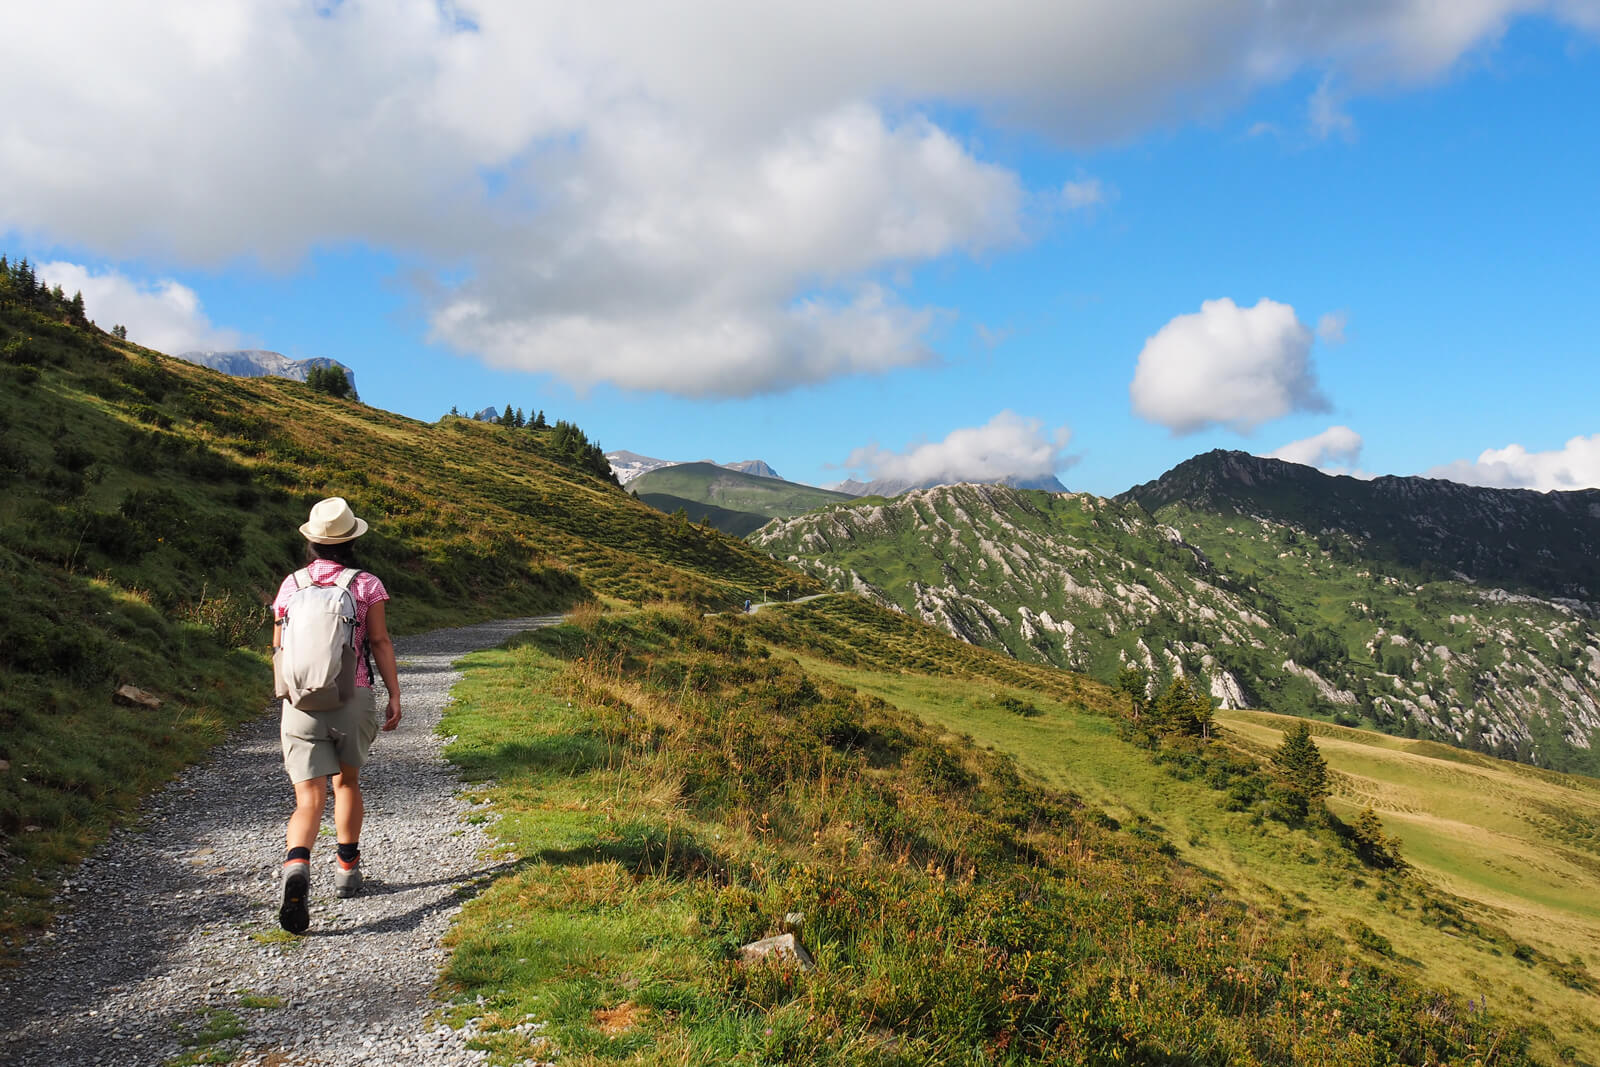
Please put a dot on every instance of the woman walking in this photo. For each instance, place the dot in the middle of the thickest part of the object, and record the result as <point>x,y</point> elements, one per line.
<point>334,742</point>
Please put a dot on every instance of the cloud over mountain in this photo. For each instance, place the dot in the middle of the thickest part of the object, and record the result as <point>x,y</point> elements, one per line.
<point>1008,445</point>
<point>1574,466</point>
<point>705,197</point>
<point>1227,365</point>
<point>1336,450</point>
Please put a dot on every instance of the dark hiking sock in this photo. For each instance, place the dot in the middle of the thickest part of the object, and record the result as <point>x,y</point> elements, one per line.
<point>349,851</point>
<point>301,853</point>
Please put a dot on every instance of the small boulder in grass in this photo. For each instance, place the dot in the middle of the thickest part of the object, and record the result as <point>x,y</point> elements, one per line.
<point>133,695</point>
<point>781,947</point>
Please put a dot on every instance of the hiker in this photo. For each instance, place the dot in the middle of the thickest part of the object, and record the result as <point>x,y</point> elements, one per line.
<point>334,741</point>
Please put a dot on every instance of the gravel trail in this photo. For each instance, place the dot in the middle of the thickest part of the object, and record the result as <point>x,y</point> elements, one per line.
<point>171,929</point>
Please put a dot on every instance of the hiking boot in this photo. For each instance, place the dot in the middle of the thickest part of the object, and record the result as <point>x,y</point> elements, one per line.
<point>294,915</point>
<point>347,878</point>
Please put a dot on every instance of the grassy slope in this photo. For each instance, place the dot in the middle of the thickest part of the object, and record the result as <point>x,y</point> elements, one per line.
<point>673,786</point>
<point>1515,848</point>
<point>150,507</point>
<point>733,523</point>
<point>735,490</point>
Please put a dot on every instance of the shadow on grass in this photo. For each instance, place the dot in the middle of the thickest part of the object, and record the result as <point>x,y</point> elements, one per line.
<point>562,754</point>
<point>645,849</point>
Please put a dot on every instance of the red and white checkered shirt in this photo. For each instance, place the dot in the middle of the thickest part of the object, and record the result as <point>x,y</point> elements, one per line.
<point>365,587</point>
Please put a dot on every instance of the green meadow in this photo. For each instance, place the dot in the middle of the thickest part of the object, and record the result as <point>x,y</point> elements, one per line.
<point>1504,860</point>
<point>989,870</point>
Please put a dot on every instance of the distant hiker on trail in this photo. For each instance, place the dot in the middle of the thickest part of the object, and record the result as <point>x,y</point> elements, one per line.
<point>747,606</point>
<point>329,628</point>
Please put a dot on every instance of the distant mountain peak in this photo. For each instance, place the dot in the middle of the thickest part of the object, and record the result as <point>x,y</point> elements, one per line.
<point>629,465</point>
<point>1544,543</point>
<point>260,363</point>
<point>757,467</point>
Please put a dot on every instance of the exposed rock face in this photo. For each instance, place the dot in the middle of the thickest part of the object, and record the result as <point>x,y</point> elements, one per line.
<point>259,363</point>
<point>1260,611</point>
<point>757,467</point>
<point>897,486</point>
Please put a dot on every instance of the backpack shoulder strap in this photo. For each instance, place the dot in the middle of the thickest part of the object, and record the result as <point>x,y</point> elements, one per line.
<point>346,576</point>
<point>302,578</point>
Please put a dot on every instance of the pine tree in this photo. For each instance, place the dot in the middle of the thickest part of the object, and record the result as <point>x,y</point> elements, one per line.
<point>1301,764</point>
<point>538,421</point>
<point>1373,845</point>
<point>1183,709</point>
<point>507,416</point>
<point>1132,681</point>
<point>517,420</point>
<point>76,309</point>
<point>330,380</point>
<point>1302,772</point>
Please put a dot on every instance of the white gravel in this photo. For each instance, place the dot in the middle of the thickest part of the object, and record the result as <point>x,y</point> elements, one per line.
<point>162,925</point>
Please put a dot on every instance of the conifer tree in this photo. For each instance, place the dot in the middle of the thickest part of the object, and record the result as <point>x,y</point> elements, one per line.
<point>1302,772</point>
<point>330,380</point>
<point>507,416</point>
<point>1183,709</point>
<point>517,420</point>
<point>1132,682</point>
<point>1372,844</point>
<point>538,421</point>
<point>1301,763</point>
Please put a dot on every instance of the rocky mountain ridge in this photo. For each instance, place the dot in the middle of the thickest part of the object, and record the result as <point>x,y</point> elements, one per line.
<point>260,363</point>
<point>1263,611</point>
<point>892,487</point>
<point>1547,544</point>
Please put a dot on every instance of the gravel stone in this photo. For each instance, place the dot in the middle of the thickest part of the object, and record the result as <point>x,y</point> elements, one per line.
<point>176,916</point>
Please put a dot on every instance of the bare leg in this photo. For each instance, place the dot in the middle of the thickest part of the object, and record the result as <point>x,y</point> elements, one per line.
<point>309,798</point>
<point>348,807</point>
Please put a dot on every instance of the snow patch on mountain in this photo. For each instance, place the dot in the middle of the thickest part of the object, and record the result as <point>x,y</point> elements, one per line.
<point>629,465</point>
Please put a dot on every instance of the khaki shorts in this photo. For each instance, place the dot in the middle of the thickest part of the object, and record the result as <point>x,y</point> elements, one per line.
<point>316,743</point>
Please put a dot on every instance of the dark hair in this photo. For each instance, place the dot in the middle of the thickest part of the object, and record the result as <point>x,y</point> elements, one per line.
<point>342,554</point>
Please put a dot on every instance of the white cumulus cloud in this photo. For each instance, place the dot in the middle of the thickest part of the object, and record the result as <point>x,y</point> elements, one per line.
<point>1574,466</point>
<point>1007,445</point>
<point>1226,365</point>
<point>691,278</point>
<point>163,314</point>
<point>722,192</point>
<point>1336,450</point>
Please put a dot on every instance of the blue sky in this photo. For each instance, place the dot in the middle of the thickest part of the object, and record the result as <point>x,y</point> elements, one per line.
<point>881,240</point>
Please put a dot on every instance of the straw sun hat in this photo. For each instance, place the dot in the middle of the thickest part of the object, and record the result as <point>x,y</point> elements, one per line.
<point>333,523</point>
